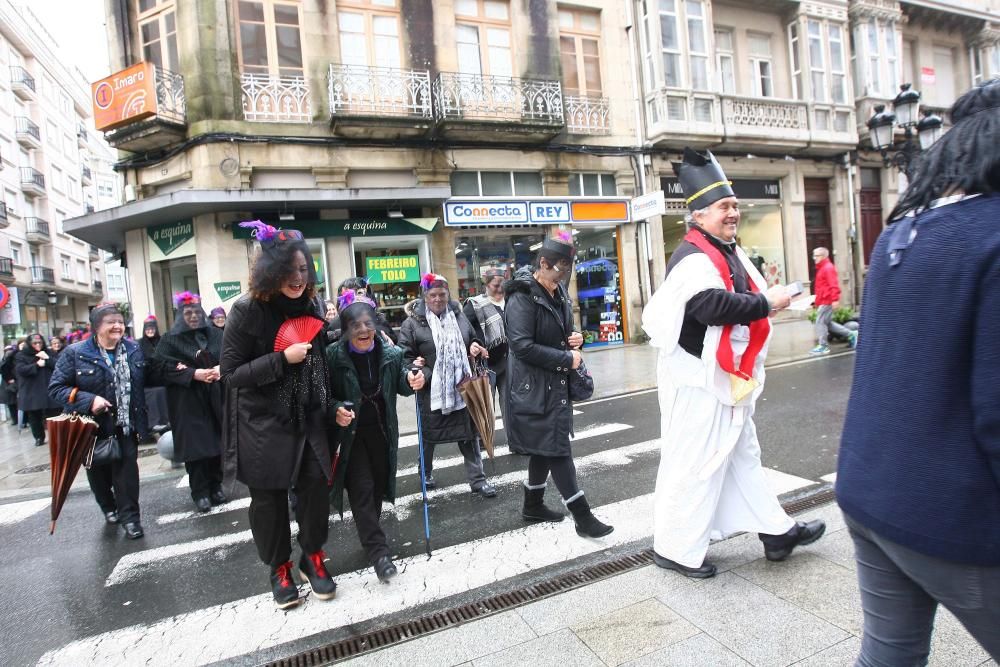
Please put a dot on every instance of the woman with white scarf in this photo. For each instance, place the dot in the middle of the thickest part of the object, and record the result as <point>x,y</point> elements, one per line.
<point>438,339</point>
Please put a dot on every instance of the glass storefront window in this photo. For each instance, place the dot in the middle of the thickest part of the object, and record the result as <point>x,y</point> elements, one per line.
<point>394,288</point>
<point>760,235</point>
<point>475,254</point>
<point>598,286</point>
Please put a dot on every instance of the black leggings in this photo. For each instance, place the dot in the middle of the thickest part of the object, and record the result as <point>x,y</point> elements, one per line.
<point>563,473</point>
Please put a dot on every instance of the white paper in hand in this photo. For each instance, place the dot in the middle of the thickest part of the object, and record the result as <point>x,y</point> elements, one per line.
<point>805,303</point>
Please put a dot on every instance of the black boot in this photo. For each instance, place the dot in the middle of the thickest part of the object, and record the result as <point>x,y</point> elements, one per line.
<point>587,524</point>
<point>286,593</point>
<point>313,571</point>
<point>779,547</point>
<point>534,507</point>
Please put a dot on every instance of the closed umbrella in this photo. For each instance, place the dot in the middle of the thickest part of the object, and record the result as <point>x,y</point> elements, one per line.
<point>71,436</point>
<point>478,396</point>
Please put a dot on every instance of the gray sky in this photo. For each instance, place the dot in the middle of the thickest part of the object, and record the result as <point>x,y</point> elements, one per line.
<point>78,28</point>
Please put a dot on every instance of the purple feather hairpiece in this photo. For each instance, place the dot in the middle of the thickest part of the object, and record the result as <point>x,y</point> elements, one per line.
<point>350,298</point>
<point>429,279</point>
<point>565,236</point>
<point>260,230</point>
<point>186,299</point>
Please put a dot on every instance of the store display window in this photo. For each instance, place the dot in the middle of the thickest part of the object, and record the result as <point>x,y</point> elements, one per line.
<point>509,250</point>
<point>393,267</point>
<point>598,285</point>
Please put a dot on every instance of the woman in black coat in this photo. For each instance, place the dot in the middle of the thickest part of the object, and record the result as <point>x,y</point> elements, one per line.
<point>186,362</point>
<point>275,426</point>
<point>156,396</point>
<point>443,415</point>
<point>33,367</point>
<point>544,349</point>
<point>9,380</point>
<point>104,376</point>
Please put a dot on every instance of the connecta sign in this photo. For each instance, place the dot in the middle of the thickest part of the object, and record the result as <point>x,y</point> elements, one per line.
<point>534,211</point>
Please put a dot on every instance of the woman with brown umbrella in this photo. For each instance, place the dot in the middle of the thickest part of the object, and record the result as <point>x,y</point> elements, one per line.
<point>104,376</point>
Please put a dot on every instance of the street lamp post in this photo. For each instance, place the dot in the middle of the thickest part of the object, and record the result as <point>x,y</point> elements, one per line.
<point>904,114</point>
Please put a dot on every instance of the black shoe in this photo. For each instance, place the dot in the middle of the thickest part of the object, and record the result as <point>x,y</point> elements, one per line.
<point>429,482</point>
<point>587,524</point>
<point>534,508</point>
<point>217,497</point>
<point>487,490</point>
<point>133,530</point>
<point>111,517</point>
<point>203,504</point>
<point>704,572</point>
<point>313,570</point>
<point>284,590</point>
<point>385,569</point>
<point>39,442</point>
<point>779,547</point>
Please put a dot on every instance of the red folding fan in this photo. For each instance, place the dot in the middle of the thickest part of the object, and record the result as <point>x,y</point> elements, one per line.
<point>297,330</point>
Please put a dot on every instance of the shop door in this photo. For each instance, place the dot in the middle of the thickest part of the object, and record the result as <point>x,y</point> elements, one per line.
<point>170,277</point>
<point>819,233</point>
<point>871,210</point>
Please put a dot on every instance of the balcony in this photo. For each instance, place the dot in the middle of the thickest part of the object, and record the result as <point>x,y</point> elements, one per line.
<point>28,134</point>
<point>37,230</point>
<point>6,269</point>
<point>363,100</point>
<point>783,123</point>
<point>587,115</point>
<point>32,182</point>
<point>82,136</point>
<point>94,253</point>
<point>86,176</point>
<point>166,127</point>
<point>468,104</point>
<point>41,275</point>
<point>676,111</point>
<point>4,220</point>
<point>273,99</point>
<point>88,208</point>
<point>98,287</point>
<point>22,83</point>
<point>833,126</point>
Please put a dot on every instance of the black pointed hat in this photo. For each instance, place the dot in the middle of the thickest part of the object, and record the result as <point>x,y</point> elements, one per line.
<point>702,179</point>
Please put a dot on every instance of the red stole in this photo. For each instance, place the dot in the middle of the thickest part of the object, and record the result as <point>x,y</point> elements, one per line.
<point>741,379</point>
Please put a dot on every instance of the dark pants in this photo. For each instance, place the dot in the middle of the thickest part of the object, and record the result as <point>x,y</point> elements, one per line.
<point>900,593</point>
<point>563,474</point>
<point>269,514</point>
<point>367,474</point>
<point>473,461</point>
<point>204,476</point>
<point>116,485</point>
<point>36,419</point>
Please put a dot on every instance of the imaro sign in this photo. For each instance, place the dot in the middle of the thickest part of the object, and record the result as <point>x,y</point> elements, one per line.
<point>124,97</point>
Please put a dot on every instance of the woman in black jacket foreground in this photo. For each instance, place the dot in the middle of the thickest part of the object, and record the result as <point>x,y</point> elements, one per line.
<point>438,338</point>
<point>275,429</point>
<point>544,349</point>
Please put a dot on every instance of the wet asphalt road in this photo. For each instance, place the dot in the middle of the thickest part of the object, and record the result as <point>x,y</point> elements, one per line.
<point>56,588</point>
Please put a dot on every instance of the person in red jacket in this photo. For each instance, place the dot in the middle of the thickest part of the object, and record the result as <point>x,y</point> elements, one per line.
<point>826,287</point>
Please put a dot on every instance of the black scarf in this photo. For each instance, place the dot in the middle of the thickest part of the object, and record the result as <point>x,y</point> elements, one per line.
<point>305,387</point>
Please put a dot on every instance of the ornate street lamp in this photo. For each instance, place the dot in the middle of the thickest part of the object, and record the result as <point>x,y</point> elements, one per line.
<point>904,114</point>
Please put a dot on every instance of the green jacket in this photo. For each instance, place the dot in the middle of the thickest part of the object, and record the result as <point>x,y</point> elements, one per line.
<point>345,386</point>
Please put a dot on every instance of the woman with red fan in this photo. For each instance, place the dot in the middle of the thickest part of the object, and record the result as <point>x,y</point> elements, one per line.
<point>186,362</point>
<point>275,426</point>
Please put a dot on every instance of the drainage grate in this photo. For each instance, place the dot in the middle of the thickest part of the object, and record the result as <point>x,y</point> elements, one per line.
<point>352,646</point>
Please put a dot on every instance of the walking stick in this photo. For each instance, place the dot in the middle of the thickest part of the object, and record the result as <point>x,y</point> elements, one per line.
<point>423,476</point>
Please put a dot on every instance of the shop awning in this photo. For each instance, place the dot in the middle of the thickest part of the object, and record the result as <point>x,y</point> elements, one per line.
<point>106,229</point>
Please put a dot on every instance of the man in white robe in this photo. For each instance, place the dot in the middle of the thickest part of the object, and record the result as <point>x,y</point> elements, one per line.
<point>710,481</point>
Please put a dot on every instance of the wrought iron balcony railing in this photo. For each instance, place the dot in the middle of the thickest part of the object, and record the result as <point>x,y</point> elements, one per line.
<point>82,134</point>
<point>98,287</point>
<point>19,78</point>
<point>37,229</point>
<point>273,99</point>
<point>32,177</point>
<point>42,275</point>
<point>86,174</point>
<point>6,267</point>
<point>24,126</point>
<point>587,115</point>
<point>357,90</point>
<point>171,101</point>
<point>497,98</point>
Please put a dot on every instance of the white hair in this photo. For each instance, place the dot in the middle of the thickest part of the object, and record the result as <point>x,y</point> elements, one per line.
<point>689,220</point>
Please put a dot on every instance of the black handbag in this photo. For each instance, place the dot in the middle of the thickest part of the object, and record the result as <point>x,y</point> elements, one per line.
<point>581,383</point>
<point>105,451</point>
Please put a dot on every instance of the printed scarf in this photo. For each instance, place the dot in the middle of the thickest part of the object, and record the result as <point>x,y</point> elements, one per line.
<point>452,363</point>
<point>123,384</point>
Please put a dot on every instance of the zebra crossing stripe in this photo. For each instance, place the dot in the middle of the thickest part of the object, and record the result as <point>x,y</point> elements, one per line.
<point>15,512</point>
